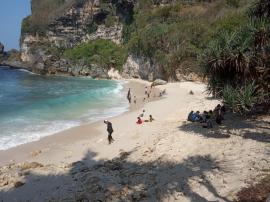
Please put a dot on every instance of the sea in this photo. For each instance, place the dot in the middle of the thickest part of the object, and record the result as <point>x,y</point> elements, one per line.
<point>34,106</point>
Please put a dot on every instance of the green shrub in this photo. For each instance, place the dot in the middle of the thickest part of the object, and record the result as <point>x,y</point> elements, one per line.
<point>234,3</point>
<point>110,21</point>
<point>101,52</point>
<point>241,99</point>
<point>91,28</point>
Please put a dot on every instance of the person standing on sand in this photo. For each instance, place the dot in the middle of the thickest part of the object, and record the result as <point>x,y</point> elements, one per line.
<point>110,131</point>
<point>129,96</point>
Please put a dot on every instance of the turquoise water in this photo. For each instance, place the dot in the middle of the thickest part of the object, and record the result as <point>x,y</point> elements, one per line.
<point>34,106</point>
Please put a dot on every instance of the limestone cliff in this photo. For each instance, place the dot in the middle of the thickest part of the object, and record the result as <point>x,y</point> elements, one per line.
<point>81,23</point>
<point>148,39</point>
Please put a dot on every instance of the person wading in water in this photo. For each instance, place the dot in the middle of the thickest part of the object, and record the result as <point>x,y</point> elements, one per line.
<point>110,131</point>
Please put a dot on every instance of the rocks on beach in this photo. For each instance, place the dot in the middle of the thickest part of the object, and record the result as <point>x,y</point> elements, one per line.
<point>159,82</point>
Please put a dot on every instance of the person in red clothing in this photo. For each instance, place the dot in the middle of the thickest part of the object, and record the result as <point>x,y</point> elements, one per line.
<point>139,120</point>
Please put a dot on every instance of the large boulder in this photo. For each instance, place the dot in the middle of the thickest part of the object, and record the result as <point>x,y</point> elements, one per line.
<point>159,82</point>
<point>1,48</point>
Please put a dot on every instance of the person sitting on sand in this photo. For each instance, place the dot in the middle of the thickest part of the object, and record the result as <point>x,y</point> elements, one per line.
<point>207,124</point>
<point>198,117</point>
<point>151,118</point>
<point>210,113</point>
<point>223,109</point>
<point>164,92</point>
<point>217,108</point>
<point>190,116</point>
<point>205,116</point>
<point>193,117</point>
<point>142,114</point>
<point>219,117</point>
<point>139,120</point>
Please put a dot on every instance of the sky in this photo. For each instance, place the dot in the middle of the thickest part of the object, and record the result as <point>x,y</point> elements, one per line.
<point>11,14</point>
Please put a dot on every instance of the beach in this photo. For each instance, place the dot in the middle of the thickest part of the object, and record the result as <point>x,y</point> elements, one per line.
<point>168,159</point>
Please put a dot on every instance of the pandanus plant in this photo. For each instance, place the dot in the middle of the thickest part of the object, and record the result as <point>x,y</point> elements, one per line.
<point>260,9</point>
<point>239,58</point>
<point>228,58</point>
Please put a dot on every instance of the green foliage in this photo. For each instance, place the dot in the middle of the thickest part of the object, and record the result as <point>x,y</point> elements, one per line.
<point>242,99</point>
<point>234,3</point>
<point>101,52</point>
<point>231,22</point>
<point>33,28</point>
<point>43,12</point>
<point>110,21</point>
<point>237,57</point>
<point>175,36</point>
<point>260,9</point>
<point>91,28</point>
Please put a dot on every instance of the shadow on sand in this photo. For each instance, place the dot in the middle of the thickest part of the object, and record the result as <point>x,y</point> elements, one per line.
<point>120,179</point>
<point>255,129</point>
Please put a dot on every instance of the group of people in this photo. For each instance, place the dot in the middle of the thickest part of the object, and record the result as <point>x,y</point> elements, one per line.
<point>207,117</point>
<point>139,121</point>
<point>139,118</point>
<point>147,94</point>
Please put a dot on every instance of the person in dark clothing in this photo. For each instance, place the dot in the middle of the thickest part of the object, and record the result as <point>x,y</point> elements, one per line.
<point>110,131</point>
<point>129,96</point>
<point>219,117</point>
<point>198,116</point>
<point>190,116</point>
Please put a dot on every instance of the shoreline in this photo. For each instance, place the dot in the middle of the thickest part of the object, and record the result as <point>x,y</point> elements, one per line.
<point>27,151</point>
<point>173,160</point>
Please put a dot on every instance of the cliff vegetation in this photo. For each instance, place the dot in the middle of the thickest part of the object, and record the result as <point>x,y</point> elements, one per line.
<point>101,52</point>
<point>225,41</point>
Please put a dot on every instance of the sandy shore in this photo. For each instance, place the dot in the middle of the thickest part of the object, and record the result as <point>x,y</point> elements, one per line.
<point>165,160</point>
<point>46,149</point>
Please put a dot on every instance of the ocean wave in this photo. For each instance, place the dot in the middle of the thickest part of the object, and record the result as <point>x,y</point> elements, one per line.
<point>56,104</point>
<point>27,71</point>
<point>35,132</point>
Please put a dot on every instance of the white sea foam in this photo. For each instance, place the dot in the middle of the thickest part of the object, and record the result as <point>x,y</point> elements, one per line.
<point>35,132</point>
<point>29,130</point>
<point>25,70</point>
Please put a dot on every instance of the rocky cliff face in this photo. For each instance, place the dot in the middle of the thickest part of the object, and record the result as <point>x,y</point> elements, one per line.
<point>83,23</point>
<point>41,53</point>
<point>142,68</point>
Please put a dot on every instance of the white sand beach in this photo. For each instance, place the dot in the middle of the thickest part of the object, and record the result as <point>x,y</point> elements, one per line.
<point>168,159</point>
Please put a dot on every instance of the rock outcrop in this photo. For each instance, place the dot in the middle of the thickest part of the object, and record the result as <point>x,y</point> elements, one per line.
<point>141,68</point>
<point>41,52</point>
<point>84,23</point>
<point>158,82</point>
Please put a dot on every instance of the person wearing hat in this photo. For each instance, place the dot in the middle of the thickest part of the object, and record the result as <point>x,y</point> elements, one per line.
<point>110,131</point>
